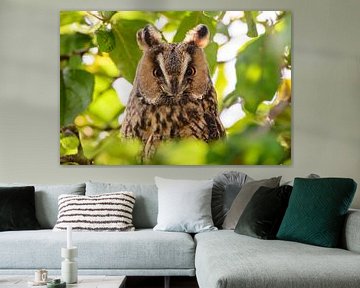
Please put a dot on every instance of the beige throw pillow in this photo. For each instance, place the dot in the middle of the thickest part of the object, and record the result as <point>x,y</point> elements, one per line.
<point>243,198</point>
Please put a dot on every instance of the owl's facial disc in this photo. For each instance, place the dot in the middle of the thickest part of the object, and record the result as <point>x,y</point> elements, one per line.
<point>172,72</point>
<point>174,69</point>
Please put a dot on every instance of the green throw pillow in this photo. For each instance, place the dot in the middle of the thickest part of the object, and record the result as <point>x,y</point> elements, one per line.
<point>316,211</point>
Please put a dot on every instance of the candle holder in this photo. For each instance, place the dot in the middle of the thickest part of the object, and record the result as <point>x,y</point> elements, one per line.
<point>68,265</point>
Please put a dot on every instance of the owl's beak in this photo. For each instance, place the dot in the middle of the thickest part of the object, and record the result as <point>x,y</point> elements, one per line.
<point>174,87</point>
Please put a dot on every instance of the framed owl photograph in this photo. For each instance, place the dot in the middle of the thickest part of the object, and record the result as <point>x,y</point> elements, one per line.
<point>175,87</point>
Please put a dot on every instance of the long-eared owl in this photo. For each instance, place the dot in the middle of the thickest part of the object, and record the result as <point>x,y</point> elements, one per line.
<point>173,96</point>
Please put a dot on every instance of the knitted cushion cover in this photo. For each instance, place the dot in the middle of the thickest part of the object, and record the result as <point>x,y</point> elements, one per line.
<point>105,212</point>
<point>316,211</point>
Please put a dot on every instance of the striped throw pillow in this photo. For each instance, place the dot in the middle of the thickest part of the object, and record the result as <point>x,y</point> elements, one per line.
<point>105,212</point>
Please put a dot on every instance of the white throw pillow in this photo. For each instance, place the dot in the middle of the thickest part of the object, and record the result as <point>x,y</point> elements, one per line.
<point>184,205</point>
<point>105,212</point>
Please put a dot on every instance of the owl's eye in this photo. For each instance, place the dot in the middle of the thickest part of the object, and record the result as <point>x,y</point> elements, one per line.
<point>157,72</point>
<point>190,71</point>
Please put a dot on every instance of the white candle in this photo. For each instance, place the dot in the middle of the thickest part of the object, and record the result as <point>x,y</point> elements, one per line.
<point>69,237</point>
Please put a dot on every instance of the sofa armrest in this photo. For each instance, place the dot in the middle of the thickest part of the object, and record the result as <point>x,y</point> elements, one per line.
<point>351,234</point>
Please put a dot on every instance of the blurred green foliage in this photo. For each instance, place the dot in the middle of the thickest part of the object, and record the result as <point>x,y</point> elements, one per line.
<point>98,49</point>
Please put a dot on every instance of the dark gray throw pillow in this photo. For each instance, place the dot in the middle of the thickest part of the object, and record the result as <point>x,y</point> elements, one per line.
<point>263,215</point>
<point>17,209</point>
<point>243,198</point>
<point>225,189</point>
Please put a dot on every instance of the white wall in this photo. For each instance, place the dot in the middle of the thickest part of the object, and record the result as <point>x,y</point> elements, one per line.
<point>326,98</point>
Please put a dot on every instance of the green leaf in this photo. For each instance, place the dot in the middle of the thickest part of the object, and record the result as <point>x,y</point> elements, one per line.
<point>283,30</point>
<point>241,125</point>
<point>148,16</point>
<point>126,54</point>
<point>183,152</point>
<point>103,65</point>
<point>230,99</point>
<point>107,14</point>
<point>251,147</point>
<point>105,39</point>
<point>258,68</point>
<point>69,17</point>
<point>212,14</point>
<point>76,89</point>
<point>211,56</point>
<point>107,106</point>
<point>69,145</point>
<point>175,15</point>
<point>191,21</point>
<point>250,21</point>
<point>102,83</point>
<point>221,83</point>
<point>72,43</point>
<point>75,61</point>
<point>116,151</point>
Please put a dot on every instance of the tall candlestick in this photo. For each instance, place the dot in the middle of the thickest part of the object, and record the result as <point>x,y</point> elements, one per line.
<point>69,237</point>
<point>69,269</point>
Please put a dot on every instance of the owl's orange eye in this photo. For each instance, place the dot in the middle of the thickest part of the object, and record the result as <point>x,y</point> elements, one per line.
<point>190,71</point>
<point>157,72</point>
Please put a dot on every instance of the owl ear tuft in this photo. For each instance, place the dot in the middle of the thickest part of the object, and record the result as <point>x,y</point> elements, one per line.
<point>199,36</point>
<point>148,37</point>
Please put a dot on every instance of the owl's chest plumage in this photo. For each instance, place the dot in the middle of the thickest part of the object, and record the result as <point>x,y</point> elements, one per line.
<point>173,118</point>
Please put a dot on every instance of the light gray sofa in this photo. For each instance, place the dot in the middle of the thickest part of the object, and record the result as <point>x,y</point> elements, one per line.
<point>143,252</point>
<point>226,259</point>
<point>220,259</point>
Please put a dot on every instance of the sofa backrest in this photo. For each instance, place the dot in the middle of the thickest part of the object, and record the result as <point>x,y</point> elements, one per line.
<point>146,203</point>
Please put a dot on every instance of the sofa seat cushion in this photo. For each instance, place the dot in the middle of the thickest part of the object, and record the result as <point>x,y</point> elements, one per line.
<point>141,249</point>
<point>226,259</point>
